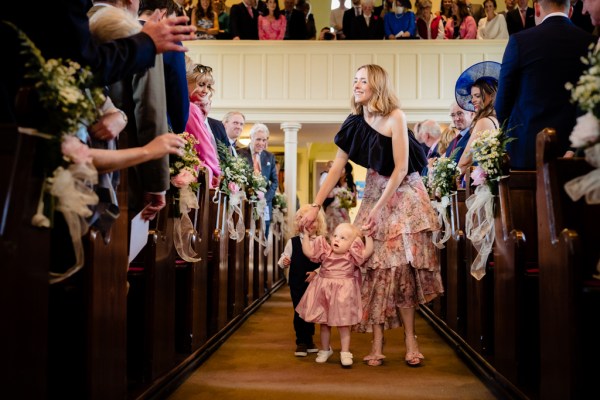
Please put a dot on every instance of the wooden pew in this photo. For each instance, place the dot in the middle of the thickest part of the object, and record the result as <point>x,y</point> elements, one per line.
<point>456,275</point>
<point>25,255</point>
<point>479,297</point>
<point>236,300</point>
<point>217,266</point>
<point>569,298</point>
<point>191,322</point>
<point>516,331</point>
<point>151,304</point>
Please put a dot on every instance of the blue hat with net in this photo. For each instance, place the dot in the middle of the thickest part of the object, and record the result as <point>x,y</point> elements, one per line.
<point>488,71</point>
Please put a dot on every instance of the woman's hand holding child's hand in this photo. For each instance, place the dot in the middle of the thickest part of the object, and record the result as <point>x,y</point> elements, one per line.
<point>310,276</point>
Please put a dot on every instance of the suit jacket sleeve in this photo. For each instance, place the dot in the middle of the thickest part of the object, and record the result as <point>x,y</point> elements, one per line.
<point>348,24</point>
<point>272,178</point>
<point>234,21</point>
<point>178,101</point>
<point>151,121</point>
<point>508,82</point>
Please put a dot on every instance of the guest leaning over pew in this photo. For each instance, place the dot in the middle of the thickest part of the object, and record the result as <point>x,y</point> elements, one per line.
<point>404,270</point>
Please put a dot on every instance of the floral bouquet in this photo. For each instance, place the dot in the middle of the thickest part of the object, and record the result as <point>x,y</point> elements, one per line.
<point>586,133</point>
<point>344,198</point>
<point>68,101</point>
<point>184,177</point>
<point>256,196</point>
<point>441,182</point>
<point>489,152</point>
<point>237,175</point>
<point>280,202</point>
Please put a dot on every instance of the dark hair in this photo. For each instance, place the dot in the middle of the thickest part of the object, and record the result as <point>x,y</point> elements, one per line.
<point>210,14</point>
<point>493,2</point>
<point>329,36</point>
<point>406,4</point>
<point>350,177</point>
<point>463,9</point>
<point>277,10</point>
<point>488,87</point>
<point>447,12</point>
<point>151,5</point>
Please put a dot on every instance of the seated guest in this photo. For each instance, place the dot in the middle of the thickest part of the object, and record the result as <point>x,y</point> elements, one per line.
<point>429,26</point>
<point>368,26</point>
<point>493,25</point>
<point>462,25</point>
<point>272,26</point>
<point>401,23</point>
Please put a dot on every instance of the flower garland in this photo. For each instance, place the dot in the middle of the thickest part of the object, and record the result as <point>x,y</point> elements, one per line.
<point>278,222</point>
<point>184,177</point>
<point>440,183</point>
<point>489,153</point>
<point>256,196</point>
<point>235,179</point>
<point>586,133</point>
<point>69,102</point>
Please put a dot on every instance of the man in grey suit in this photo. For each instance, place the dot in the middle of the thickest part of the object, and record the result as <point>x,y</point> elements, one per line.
<point>263,162</point>
<point>536,65</point>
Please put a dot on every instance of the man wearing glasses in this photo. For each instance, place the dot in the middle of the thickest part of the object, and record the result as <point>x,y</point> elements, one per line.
<point>462,121</point>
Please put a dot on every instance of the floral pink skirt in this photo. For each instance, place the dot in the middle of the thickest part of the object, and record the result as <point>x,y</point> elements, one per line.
<point>404,270</point>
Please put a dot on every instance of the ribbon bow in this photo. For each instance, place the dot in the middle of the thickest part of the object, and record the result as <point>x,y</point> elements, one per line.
<point>479,227</point>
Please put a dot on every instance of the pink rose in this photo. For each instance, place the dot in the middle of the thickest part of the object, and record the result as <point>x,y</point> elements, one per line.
<point>183,179</point>
<point>478,175</point>
<point>76,151</point>
<point>233,187</point>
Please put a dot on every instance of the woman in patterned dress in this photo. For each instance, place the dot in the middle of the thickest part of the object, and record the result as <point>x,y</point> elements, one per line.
<point>206,20</point>
<point>272,26</point>
<point>404,270</point>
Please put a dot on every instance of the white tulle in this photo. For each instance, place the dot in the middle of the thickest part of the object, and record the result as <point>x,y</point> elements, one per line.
<point>183,229</point>
<point>74,194</point>
<point>441,207</point>
<point>479,227</point>
<point>237,230</point>
<point>587,185</point>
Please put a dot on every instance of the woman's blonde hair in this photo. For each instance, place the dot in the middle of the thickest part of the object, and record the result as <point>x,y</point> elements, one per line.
<point>320,221</point>
<point>110,23</point>
<point>445,138</point>
<point>196,73</point>
<point>384,100</point>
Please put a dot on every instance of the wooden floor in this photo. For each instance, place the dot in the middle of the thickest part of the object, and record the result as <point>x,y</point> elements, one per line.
<point>258,362</point>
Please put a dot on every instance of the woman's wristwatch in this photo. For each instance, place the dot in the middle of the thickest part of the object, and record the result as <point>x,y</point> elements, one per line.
<point>316,205</point>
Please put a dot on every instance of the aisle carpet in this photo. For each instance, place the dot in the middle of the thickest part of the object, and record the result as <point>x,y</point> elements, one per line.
<point>257,363</point>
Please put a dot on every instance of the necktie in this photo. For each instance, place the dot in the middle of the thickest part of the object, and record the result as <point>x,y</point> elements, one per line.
<point>357,11</point>
<point>257,163</point>
<point>250,11</point>
<point>523,13</point>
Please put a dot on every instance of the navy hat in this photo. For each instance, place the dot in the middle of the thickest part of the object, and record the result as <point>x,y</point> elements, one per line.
<point>487,71</point>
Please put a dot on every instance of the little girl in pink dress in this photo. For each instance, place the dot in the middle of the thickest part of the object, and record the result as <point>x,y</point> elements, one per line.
<point>333,295</point>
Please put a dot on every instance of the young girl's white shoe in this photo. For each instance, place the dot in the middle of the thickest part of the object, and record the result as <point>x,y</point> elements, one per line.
<point>346,358</point>
<point>323,355</point>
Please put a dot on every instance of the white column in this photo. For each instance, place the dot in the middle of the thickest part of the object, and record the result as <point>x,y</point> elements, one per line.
<point>291,166</point>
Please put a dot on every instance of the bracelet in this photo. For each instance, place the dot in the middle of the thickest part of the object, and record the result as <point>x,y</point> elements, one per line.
<point>316,205</point>
<point>122,114</point>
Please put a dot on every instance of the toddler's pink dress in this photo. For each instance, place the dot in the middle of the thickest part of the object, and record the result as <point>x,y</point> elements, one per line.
<point>333,296</point>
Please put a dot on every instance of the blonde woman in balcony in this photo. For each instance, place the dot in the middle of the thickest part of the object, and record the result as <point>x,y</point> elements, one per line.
<point>395,210</point>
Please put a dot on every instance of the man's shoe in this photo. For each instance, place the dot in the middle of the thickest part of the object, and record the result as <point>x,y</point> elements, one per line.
<point>301,350</point>
<point>312,348</point>
<point>323,355</point>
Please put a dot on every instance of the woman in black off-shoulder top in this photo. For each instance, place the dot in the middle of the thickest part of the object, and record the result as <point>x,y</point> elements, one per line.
<point>404,270</point>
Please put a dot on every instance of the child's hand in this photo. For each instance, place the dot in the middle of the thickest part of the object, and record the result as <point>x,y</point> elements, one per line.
<point>286,261</point>
<point>310,276</point>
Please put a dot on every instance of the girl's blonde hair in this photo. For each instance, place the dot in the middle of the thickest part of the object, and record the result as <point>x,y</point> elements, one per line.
<point>357,232</point>
<point>320,221</point>
<point>384,100</point>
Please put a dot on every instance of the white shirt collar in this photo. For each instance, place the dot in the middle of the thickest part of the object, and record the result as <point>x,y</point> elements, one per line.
<point>555,14</point>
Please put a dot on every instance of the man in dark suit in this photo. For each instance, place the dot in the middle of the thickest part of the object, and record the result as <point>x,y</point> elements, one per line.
<point>243,21</point>
<point>368,26</point>
<point>579,18</point>
<point>531,90</point>
<point>430,133</point>
<point>515,18</point>
<point>296,23</point>
<point>462,121</point>
<point>263,163</point>
<point>234,122</point>
<point>351,19</point>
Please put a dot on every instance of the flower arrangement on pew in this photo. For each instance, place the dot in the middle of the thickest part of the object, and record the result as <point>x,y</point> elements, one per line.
<point>236,177</point>
<point>68,102</point>
<point>278,222</point>
<point>586,133</point>
<point>441,182</point>
<point>184,178</point>
<point>489,153</point>
<point>256,196</point>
